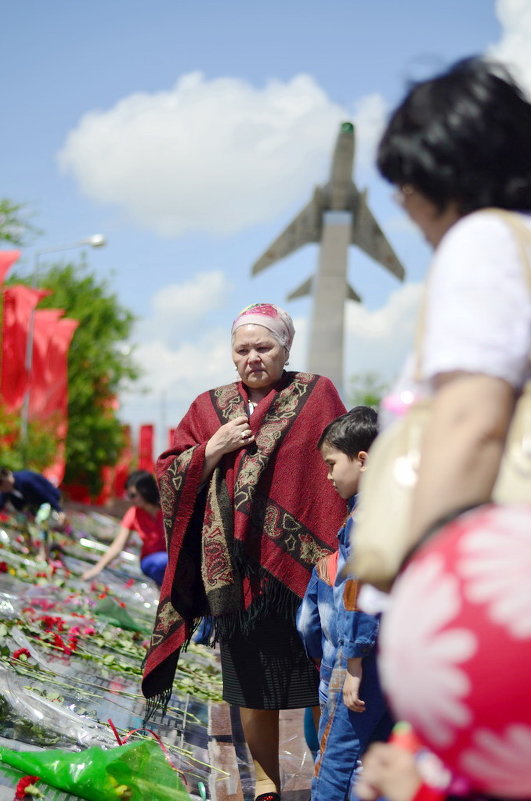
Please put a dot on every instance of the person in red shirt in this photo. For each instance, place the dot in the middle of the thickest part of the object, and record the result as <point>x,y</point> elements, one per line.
<point>144,517</point>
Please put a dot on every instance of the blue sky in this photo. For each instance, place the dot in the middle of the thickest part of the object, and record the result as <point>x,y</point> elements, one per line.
<point>190,133</point>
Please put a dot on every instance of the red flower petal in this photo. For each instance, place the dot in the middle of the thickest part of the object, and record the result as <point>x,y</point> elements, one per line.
<point>23,784</point>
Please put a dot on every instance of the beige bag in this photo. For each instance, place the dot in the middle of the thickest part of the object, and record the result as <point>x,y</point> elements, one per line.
<point>386,488</point>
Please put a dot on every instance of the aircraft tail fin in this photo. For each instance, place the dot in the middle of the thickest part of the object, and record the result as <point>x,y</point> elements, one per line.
<point>352,294</point>
<point>303,289</point>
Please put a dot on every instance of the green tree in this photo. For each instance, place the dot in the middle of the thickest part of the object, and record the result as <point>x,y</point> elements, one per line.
<point>15,228</point>
<point>40,449</point>
<point>98,367</point>
<point>367,389</point>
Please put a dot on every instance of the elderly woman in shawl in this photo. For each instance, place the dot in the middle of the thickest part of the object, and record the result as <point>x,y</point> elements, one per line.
<point>248,512</point>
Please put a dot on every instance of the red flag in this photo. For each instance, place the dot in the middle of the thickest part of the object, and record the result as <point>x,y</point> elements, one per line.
<point>55,390</point>
<point>145,448</point>
<point>107,480</point>
<point>19,304</point>
<point>7,258</point>
<point>44,323</point>
<point>171,434</point>
<point>123,467</point>
<point>114,478</point>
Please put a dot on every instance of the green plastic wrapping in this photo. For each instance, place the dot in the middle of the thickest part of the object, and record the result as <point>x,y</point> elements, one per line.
<point>133,772</point>
<point>111,610</point>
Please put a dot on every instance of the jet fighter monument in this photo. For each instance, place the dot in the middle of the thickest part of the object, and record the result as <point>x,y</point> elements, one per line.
<point>336,216</point>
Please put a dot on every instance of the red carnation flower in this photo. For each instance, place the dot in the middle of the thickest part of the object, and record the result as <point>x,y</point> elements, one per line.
<point>26,786</point>
<point>58,641</point>
<point>21,652</point>
<point>3,567</point>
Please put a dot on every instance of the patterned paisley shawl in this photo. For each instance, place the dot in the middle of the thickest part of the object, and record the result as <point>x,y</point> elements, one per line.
<point>247,540</point>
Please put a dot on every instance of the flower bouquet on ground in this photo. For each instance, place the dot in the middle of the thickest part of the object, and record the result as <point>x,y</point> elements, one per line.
<point>136,771</point>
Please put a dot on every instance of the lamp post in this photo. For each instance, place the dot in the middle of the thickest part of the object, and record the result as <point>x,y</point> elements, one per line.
<point>94,241</point>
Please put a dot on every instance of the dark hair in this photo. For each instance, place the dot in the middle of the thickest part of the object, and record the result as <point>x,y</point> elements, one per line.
<point>145,485</point>
<point>351,433</point>
<point>463,135</point>
<point>5,472</point>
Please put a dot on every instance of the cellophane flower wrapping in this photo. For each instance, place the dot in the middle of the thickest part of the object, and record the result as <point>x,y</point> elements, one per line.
<point>137,771</point>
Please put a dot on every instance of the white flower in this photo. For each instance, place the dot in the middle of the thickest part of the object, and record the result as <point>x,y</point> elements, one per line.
<point>419,661</point>
<point>501,763</point>
<point>496,564</point>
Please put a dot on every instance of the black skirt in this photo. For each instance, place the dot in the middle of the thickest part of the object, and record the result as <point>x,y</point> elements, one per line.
<point>268,667</point>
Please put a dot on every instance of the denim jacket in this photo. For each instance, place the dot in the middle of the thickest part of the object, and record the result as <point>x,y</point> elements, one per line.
<point>327,619</point>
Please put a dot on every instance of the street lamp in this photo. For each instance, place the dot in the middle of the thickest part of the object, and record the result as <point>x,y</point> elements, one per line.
<point>94,241</point>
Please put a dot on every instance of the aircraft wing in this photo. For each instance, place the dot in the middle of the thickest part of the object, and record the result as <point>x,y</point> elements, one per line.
<point>306,288</point>
<point>306,227</point>
<point>367,235</point>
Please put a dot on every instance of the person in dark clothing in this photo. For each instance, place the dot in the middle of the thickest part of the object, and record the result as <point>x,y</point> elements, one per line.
<point>26,490</point>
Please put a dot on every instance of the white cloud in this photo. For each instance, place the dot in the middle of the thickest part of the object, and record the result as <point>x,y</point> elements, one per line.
<point>513,48</point>
<point>174,376</point>
<point>212,155</point>
<point>378,341</point>
<point>370,116</point>
<point>192,367</point>
<point>178,308</point>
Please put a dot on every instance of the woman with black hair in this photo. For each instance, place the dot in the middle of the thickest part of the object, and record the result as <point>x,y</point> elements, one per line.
<point>144,517</point>
<point>458,149</point>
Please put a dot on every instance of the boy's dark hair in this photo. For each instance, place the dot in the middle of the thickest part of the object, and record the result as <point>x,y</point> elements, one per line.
<point>145,485</point>
<point>351,433</point>
<point>5,472</point>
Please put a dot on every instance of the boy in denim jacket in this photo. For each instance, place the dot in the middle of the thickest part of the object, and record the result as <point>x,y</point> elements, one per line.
<point>338,637</point>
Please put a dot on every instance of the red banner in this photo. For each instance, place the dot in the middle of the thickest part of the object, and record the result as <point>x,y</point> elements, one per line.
<point>123,467</point>
<point>7,258</point>
<point>145,448</point>
<point>114,478</point>
<point>19,302</point>
<point>171,434</point>
<point>44,324</point>
<point>55,391</point>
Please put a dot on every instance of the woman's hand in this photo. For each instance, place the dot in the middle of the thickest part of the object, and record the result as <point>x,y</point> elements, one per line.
<point>230,436</point>
<point>388,771</point>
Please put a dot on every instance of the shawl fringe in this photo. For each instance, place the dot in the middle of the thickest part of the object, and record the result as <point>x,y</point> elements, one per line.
<point>274,596</point>
<point>157,704</point>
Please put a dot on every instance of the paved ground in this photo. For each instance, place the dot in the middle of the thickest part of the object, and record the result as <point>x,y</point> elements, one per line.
<point>228,751</point>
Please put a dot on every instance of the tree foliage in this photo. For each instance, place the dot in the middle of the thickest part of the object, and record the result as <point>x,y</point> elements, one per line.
<point>15,228</point>
<point>98,367</point>
<point>367,389</point>
<point>39,450</point>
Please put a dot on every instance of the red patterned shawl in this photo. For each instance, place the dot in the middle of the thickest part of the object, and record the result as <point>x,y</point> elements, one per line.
<point>247,540</point>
